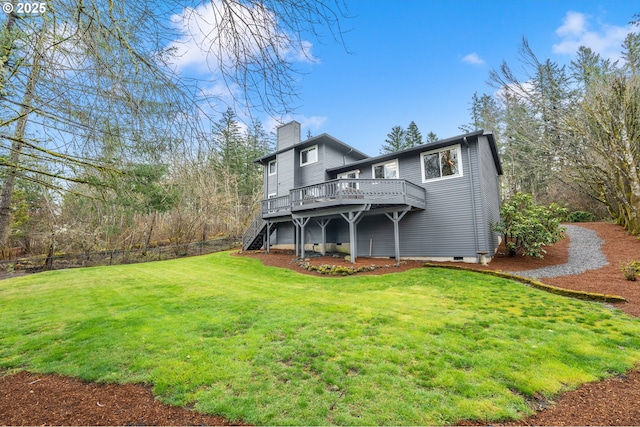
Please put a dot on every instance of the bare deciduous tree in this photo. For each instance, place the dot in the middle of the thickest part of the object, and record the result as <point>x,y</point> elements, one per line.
<point>88,86</point>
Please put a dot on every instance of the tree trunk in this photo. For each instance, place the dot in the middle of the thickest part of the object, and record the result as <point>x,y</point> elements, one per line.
<point>6,48</point>
<point>147,240</point>
<point>48,263</point>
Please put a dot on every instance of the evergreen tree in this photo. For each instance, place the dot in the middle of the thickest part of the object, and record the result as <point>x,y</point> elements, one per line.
<point>573,131</point>
<point>238,150</point>
<point>431,137</point>
<point>631,53</point>
<point>588,66</point>
<point>395,141</point>
<point>228,140</point>
<point>412,137</point>
<point>485,114</point>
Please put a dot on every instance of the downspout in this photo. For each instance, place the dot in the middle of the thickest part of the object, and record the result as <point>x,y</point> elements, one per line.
<point>473,199</point>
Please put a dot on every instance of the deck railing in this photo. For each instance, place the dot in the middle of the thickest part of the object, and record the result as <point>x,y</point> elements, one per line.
<point>276,206</point>
<point>357,191</point>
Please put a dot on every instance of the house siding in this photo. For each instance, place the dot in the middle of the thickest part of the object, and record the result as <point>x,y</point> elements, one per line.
<point>271,181</point>
<point>335,158</point>
<point>444,229</point>
<point>474,182</point>
<point>312,173</point>
<point>287,171</point>
<point>490,195</point>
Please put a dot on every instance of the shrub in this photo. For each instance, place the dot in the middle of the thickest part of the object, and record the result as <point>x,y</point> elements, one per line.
<point>527,227</point>
<point>631,270</point>
<point>581,216</point>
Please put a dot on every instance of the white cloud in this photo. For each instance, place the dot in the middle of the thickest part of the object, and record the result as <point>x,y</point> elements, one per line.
<point>575,32</point>
<point>312,123</point>
<point>206,43</point>
<point>574,24</point>
<point>473,58</point>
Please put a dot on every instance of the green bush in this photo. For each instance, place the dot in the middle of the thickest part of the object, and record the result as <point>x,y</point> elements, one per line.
<point>527,227</point>
<point>631,270</point>
<point>581,216</point>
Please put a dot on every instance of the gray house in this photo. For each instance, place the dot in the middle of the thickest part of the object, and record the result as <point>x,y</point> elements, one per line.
<point>432,202</point>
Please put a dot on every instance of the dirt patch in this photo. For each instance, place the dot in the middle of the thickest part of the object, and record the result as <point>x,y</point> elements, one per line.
<point>29,399</point>
<point>287,259</point>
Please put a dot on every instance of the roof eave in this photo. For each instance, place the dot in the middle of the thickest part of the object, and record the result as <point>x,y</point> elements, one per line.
<point>420,148</point>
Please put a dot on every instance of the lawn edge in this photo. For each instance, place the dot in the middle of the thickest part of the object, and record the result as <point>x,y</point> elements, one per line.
<point>587,296</point>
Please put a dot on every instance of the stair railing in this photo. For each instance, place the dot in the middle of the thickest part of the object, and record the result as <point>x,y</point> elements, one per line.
<point>252,232</point>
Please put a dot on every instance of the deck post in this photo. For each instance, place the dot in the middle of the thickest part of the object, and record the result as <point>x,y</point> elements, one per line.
<point>353,218</point>
<point>295,236</point>
<point>301,222</point>
<point>323,226</point>
<point>268,232</point>
<point>395,217</point>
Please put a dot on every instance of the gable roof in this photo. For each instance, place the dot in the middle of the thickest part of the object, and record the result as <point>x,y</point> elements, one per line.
<point>427,147</point>
<point>320,139</point>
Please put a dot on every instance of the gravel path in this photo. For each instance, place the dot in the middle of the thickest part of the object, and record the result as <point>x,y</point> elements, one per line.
<point>585,253</point>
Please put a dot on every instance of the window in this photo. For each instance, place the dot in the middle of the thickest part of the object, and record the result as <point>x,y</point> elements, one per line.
<point>272,167</point>
<point>350,175</point>
<point>388,170</point>
<point>441,164</point>
<point>309,155</point>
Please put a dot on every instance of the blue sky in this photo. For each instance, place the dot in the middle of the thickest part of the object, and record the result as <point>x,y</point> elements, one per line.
<point>422,60</point>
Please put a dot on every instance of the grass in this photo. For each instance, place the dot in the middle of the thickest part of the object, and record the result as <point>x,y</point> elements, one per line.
<point>271,346</point>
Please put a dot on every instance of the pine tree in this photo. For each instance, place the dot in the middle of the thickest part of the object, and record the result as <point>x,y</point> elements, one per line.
<point>412,137</point>
<point>395,140</point>
<point>631,53</point>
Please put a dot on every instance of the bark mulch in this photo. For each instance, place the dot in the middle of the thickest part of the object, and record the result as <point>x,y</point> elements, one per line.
<point>31,399</point>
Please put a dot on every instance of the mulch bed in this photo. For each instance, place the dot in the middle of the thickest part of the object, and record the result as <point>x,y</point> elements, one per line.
<point>30,399</point>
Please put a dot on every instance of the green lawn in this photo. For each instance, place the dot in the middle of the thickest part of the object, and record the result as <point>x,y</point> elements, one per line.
<point>271,346</point>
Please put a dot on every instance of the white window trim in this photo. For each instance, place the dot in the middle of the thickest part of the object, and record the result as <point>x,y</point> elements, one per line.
<point>309,149</point>
<point>269,168</point>
<point>373,169</point>
<point>272,195</point>
<point>344,174</point>
<point>451,147</point>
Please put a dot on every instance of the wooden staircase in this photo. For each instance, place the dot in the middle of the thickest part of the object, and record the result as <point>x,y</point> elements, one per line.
<point>254,238</point>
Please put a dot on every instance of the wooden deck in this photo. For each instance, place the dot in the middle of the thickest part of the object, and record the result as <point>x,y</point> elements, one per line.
<point>344,192</point>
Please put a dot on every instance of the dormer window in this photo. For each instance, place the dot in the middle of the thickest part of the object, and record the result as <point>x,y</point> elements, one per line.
<point>272,167</point>
<point>309,155</point>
